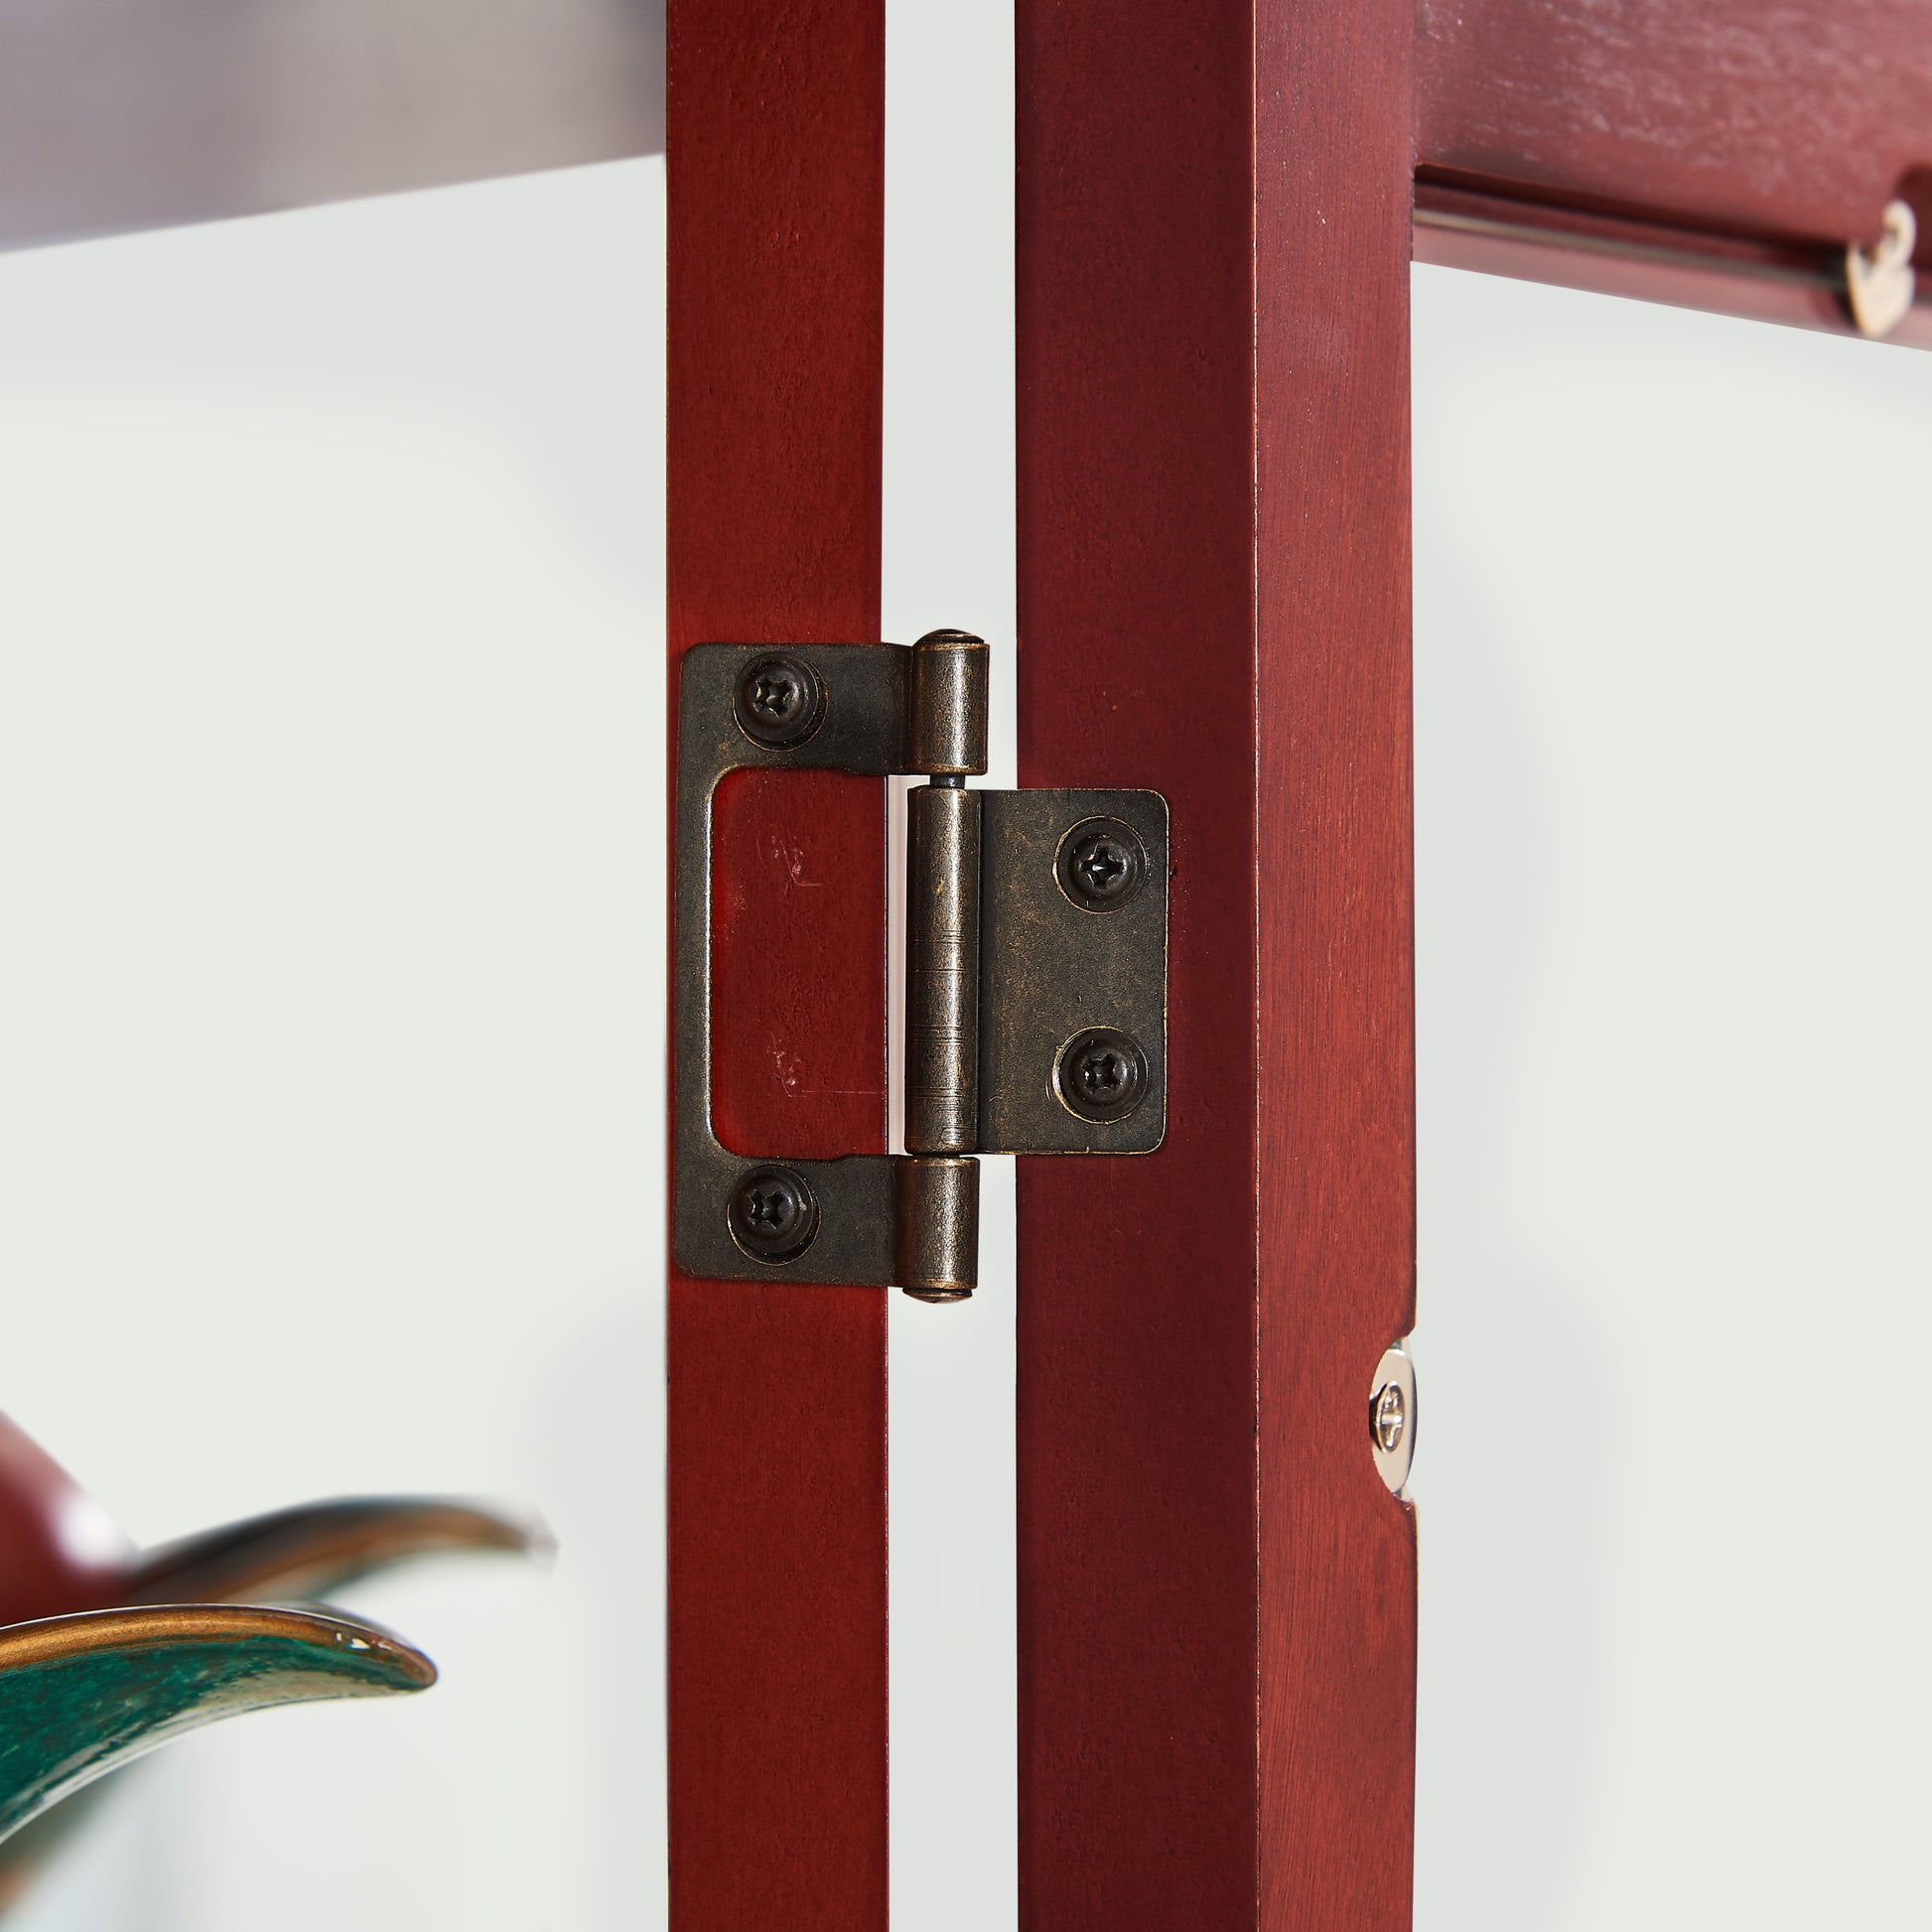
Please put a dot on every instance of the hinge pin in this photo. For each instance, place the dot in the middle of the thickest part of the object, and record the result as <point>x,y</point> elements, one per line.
<point>942,969</point>
<point>946,729</point>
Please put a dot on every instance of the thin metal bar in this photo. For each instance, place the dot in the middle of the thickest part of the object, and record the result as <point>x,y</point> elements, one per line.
<point>1695,250</point>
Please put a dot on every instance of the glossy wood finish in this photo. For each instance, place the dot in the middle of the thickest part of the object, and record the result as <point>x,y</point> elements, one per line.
<point>777,1437</point>
<point>1136,1278</point>
<point>1217,1595</point>
<point>1334,932</point>
<point>1718,125</point>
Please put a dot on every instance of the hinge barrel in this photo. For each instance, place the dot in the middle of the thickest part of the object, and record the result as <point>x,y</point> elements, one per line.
<point>942,969</point>
<point>937,1246</point>
<point>946,705</point>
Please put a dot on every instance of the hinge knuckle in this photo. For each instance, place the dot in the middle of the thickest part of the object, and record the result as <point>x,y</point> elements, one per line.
<point>935,1255</point>
<point>946,708</point>
<point>942,970</point>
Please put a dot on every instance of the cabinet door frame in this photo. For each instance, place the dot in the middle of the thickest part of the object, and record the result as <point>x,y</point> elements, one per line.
<point>1217,208</point>
<point>776,1394</point>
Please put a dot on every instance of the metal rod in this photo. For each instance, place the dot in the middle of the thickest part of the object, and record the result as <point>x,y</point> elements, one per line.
<point>1694,251</point>
<point>942,969</point>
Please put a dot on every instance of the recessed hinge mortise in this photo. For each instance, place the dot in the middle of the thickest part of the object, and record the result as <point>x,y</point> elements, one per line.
<point>1036,967</point>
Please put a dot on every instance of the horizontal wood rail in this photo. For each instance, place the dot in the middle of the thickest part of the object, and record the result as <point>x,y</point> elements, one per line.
<point>1800,283</point>
<point>1718,155</point>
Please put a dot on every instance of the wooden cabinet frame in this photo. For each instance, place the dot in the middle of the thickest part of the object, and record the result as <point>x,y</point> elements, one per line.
<point>1217,209</point>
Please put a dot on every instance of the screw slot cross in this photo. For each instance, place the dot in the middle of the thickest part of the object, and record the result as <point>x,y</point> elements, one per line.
<point>779,702</point>
<point>770,1210</point>
<point>774,694</point>
<point>1104,1074</point>
<point>774,1216</point>
<point>1390,1419</point>
<point>1103,866</point>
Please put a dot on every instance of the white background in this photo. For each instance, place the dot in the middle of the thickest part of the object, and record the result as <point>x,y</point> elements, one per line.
<point>331,1047</point>
<point>331,756</point>
<point>331,1036</point>
<point>1673,810</point>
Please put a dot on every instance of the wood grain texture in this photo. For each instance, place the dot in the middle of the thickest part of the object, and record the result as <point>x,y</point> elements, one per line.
<point>1136,1277</point>
<point>1218,1596</point>
<point>1801,119</point>
<point>777,1395</point>
<point>798,876</point>
<point>1335,933</point>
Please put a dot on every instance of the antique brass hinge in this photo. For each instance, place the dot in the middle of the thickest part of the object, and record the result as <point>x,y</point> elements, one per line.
<point>1036,967</point>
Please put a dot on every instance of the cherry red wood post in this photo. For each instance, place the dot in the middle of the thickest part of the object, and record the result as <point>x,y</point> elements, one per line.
<point>1216,1593</point>
<point>1789,123</point>
<point>777,1395</point>
<point>1714,156</point>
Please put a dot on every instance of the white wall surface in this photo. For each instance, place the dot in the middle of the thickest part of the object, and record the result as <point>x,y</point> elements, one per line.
<point>1674,672</point>
<point>332,1012</point>
<point>331,1002</point>
<point>949,559</point>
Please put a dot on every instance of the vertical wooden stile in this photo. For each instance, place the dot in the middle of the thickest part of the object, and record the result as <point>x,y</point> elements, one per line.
<point>1217,1594</point>
<point>777,1395</point>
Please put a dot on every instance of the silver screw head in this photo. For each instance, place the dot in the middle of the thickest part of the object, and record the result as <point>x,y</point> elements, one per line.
<point>780,702</point>
<point>1392,1417</point>
<point>1101,864</point>
<point>1388,1418</point>
<point>1101,1075</point>
<point>773,1216</point>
